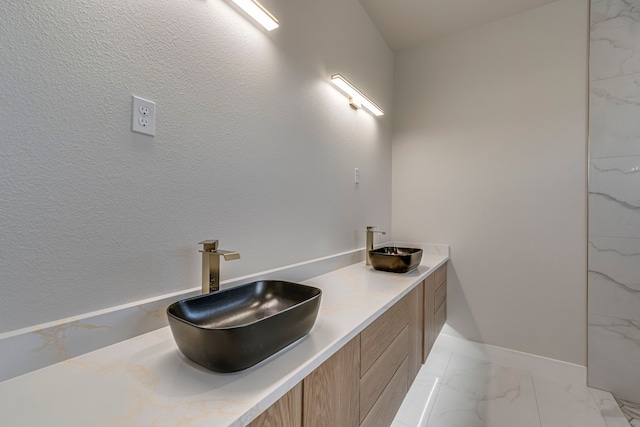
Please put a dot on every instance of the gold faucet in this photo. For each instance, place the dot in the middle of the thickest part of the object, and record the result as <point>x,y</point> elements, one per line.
<point>371,229</point>
<point>211,264</point>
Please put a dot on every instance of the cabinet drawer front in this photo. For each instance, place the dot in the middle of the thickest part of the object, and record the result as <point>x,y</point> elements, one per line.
<point>286,412</point>
<point>440,317</point>
<point>441,275</point>
<point>416,331</point>
<point>377,378</point>
<point>331,393</point>
<point>439,296</point>
<point>385,409</point>
<point>429,313</point>
<point>376,337</point>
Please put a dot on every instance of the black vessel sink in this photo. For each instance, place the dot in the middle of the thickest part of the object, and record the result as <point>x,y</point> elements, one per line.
<point>234,329</point>
<point>395,260</point>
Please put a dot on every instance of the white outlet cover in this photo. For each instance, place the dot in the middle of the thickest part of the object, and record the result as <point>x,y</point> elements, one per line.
<point>141,122</point>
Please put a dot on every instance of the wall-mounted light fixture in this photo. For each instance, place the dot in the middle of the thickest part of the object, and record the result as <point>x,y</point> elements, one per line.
<point>357,99</point>
<point>259,13</point>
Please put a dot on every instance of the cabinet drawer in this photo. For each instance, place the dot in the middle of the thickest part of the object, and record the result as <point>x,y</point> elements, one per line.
<point>440,318</point>
<point>441,275</point>
<point>429,312</point>
<point>377,378</point>
<point>286,412</point>
<point>380,334</point>
<point>384,410</point>
<point>440,296</point>
<point>331,393</point>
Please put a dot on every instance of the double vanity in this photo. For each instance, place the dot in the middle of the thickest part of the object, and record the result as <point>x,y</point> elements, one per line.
<point>373,331</point>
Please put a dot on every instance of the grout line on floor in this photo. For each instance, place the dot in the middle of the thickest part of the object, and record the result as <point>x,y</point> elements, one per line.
<point>535,396</point>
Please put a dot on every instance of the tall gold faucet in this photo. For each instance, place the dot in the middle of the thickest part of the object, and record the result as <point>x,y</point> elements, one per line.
<point>371,229</point>
<point>211,264</point>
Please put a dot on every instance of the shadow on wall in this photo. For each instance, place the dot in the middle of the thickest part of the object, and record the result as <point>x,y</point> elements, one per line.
<point>460,321</point>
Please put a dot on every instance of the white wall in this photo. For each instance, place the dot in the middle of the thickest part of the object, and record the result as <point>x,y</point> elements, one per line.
<point>254,146</point>
<point>489,155</point>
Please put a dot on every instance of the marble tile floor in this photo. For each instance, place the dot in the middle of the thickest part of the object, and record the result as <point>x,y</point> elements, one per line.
<point>631,411</point>
<point>456,389</point>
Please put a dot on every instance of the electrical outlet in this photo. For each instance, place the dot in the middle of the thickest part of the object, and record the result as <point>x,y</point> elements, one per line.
<point>143,118</point>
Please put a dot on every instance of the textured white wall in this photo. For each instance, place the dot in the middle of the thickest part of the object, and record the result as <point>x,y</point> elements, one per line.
<point>489,155</point>
<point>253,147</point>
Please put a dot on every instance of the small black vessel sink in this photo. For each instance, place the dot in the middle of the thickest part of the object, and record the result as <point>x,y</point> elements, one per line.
<point>234,329</point>
<point>395,260</point>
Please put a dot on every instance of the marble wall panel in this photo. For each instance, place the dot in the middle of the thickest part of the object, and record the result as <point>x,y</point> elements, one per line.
<point>614,117</point>
<point>614,277</point>
<point>614,198</point>
<point>617,177</point>
<point>615,38</point>
<point>609,217</point>
<point>614,356</point>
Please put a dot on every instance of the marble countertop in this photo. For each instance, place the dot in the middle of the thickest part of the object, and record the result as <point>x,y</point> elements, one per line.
<point>146,381</point>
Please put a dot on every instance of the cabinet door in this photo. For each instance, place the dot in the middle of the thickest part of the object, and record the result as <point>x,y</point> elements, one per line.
<point>386,407</point>
<point>332,392</point>
<point>440,300</point>
<point>375,381</point>
<point>377,337</point>
<point>416,333</point>
<point>429,313</point>
<point>286,412</point>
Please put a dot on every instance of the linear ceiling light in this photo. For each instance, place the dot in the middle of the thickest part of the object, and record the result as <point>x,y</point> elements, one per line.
<point>259,13</point>
<point>357,99</point>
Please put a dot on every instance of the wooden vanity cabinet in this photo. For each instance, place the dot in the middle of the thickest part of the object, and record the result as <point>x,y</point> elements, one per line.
<point>365,382</point>
<point>416,333</point>
<point>286,412</point>
<point>435,307</point>
<point>384,347</point>
<point>440,299</point>
<point>391,358</point>
<point>332,392</point>
<point>429,320</point>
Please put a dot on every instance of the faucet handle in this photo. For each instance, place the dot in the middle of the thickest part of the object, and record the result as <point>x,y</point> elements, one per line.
<point>375,229</point>
<point>209,245</point>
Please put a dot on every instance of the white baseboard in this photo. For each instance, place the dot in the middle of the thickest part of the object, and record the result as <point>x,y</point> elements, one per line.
<point>540,365</point>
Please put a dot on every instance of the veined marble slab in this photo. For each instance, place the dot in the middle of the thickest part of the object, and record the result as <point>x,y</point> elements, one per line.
<point>614,196</point>
<point>146,381</point>
<point>476,393</point>
<point>615,37</point>
<point>609,409</point>
<point>631,411</point>
<point>609,217</point>
<point>614,355</point>
<point>614,105</point>
<point>29,349</point>
<point>614,277</point>
<point>617,177</point>
<point>564,404</point>
<point>34,348</point>
<point>479,390</point>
